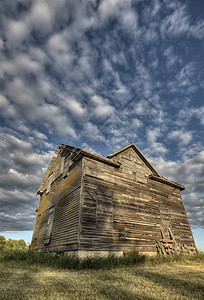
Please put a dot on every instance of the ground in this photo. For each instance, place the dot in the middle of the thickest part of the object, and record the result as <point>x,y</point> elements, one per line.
<point>160,281</point>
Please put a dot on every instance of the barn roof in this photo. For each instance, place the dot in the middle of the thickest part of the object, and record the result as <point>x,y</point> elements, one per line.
<point>82,152</point>
<point>78,153</point>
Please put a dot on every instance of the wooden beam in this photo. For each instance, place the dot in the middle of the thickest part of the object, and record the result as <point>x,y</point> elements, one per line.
<point>166,181</point>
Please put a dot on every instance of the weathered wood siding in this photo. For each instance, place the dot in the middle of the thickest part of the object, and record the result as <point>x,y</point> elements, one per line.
<point>89,204</point>
<point>122,209</point>
<point>64,195</point>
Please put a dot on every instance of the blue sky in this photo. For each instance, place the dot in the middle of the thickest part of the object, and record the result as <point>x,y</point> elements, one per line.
<point>99,75</point>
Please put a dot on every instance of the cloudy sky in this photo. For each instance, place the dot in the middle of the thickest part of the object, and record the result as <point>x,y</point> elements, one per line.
<point>99,75</point>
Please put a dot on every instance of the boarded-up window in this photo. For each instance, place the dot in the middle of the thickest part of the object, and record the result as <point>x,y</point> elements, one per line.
<point>37,227</point>
<point>49,182</point>
<point>104,213</point>
<point>49,225</point>
<point>67,163</point>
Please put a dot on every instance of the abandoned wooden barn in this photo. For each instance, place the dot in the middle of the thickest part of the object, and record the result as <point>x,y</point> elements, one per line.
<point>90,204</point>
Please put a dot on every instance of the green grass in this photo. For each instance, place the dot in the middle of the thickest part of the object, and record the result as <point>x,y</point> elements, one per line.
<point>173,277</point>
<point>73,262</point>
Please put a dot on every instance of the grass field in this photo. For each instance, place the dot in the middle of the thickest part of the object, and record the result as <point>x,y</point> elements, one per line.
<point>150,280</point>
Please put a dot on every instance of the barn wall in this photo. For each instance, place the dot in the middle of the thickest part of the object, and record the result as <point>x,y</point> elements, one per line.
<point>172,212</point>
<point>64,196</point>
<point>123,210</point>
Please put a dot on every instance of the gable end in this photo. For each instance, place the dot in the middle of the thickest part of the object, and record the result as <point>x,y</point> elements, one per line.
<point>139,153</point>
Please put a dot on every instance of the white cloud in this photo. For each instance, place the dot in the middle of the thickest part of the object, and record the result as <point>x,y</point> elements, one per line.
<point>187,114</point>
<point>17,208</point>
<point>75,107</point>
<point>3,102</point>
<point>136,123</point>
<point>17,31</point>
<point>92,131</point>
<point>21,163</point>
<point>153,134</point>
<point>23,97</point>
<point>108,8</point>
<point>197,30</point>
<point>58,43</point>
<point>129,19</point>
<point>180,136</point>
<point>39,135</point>
<point>41,15</point>
<point>101,107</point>
<point>1,44</point>
<point>52,115</point>
<point>171,58</point>
<point>178,23</point>
<point>156,8</point>
<point>21,65</point>
<point>120,9</point>
<point>155,148</point>
<point>38,54</point>
<point>59,49</point>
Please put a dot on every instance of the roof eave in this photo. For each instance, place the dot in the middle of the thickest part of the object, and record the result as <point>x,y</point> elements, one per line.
<point>166,181</point>
<point>96,157</point>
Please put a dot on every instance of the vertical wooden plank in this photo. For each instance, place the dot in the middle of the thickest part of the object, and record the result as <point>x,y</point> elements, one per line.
<point>49,226</point>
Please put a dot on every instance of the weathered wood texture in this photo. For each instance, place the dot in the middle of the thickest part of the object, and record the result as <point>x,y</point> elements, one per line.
<point>122,209</point>
<point>64,195</point>
<point>120,203</point>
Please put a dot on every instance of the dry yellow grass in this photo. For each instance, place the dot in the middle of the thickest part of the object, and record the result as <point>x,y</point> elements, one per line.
<point>162,281</point>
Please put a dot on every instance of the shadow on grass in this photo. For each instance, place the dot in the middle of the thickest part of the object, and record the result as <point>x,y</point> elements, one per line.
<point>23,284</point>
<point>120,293</point>
<point>15,285</point>
<point>188,287</point>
